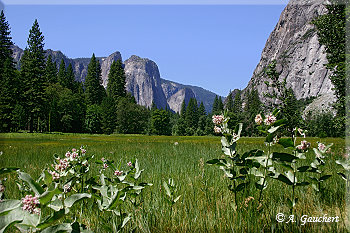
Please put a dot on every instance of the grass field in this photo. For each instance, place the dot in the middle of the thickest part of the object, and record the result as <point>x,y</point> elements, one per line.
<point>206,204</point>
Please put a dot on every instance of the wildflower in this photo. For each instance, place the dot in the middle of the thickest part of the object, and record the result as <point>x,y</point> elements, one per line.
<point>129,164</point>
<point>67,188</point>
<point>30,204</point>
<point>74,155</point>
<point>68,154</point>
<point>62,165</point>
<point>270,119</point>
<point>2,188</point>
<point>176,143</point>
<point>105,165</point>
<point>218,119</point>
<point>83,151</point>
<point>321,147</point>
<point>217,129</point>
<point>74,150</point>
<point>258,119</point>
<point>103,159</point>
<point>118,173</point>
<point>304,145</point>
<point>55,175</point>
<point>275,140</point>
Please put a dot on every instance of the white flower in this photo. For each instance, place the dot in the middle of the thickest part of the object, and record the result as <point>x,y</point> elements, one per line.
<point>321,147</point>
<point>217,130</point>
<point>218,119</point>
<point>118,173</point>
<point>270,119</point>
<point>258,119</point>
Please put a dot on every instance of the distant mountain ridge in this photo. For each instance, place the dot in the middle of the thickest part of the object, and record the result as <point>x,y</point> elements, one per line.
<point>142,80</point>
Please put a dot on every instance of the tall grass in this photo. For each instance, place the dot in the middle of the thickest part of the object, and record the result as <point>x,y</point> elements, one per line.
<point>206,204</point>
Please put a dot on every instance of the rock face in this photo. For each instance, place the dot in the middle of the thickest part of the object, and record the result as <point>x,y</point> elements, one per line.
<point>142,80</point>
<point>300,58</point>
<point>172,88</point>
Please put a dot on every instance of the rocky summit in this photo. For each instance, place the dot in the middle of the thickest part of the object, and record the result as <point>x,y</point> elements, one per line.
<point>300,57</point>
<point>142,80</point>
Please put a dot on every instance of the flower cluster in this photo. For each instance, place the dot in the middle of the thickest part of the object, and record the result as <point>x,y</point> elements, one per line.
<point>321,147</point>
<point>270,119</point>
<point>118,173</point>
<point>55,175</point>
<point>129,164</point>
<point>62,164</point>
<point>258,119</point>
<point>304,145</point>
<point>218,119</point>
<point>67,188</point>
<point>30,204</point>
<point>217,129</point>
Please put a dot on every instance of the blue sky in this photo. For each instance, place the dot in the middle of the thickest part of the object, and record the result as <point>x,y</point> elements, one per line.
<point>216,47</point>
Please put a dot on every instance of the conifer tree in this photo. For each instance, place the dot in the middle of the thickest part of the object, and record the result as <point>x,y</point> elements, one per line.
<point>70,79</point>
<point>201,110</point>
<point>237,104</point>
<point>191,116</point>
<point>61,75</point>
<point>229,103</point>
<point>50,71</point>
<point>220,105</point>
<point>116,81</point>
<point>33,76</point>
<point>94,91</point>
<point>8,77</point>
<point>215,105</point>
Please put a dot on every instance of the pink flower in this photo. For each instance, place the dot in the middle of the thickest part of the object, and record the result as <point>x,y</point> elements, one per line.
<point>74,155</point>
<point>68,154</point>
<point>62,164</point>
<point>304,145</point>
<point>30,204</point>
<point>105,165</point>
<point>217,130</point>
<point>218,119</point>
<point>74,150</point>
<point>270,119</point>
<point>55,175</point>
<point>129,164</point>
<point>118,173</point>
<point>103,159</point>
<point>321,147</point>
<point>258,119</point>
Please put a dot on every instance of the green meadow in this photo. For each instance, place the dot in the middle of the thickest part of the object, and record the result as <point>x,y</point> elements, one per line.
<point>206,204</point>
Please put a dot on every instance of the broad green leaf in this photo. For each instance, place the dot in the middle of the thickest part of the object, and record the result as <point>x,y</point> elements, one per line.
<point>12,217</point>
<point>261,184</point>
<point>284,179</point>
<point>291,177</point>
<point>325,177</point>
<point>318,153</point>
<point>34,186</point>
<point>304,183</point>
<point>56,205</point>
<point>126,220</point>
<point>303,168</point>
<point>71,200</point>
<point>63,227</point>
<point>284,157</point>
<point>115,200</point>
<point>286,142</point>
<point>273,129</point>
<point>345,164</point>
<point>7,205</point>
<point>269,138</point>
<point>228,172</point>
<point>314,186</point>
<point>280,122</point>
<point>240,127</point>
<point>57,215</point>
<point>176,199</point>
<point>6,170</point>
<point>47,177</point>
<point>342,175</point>
<point>47,196</point>
<point>31,220</point>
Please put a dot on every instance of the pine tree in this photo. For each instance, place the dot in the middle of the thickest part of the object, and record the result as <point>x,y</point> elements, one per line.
<point>183,109</point>
<point>116,81</point>
<point>201,110</point>
<point>32,75</point>
<point>215,105</point>
<point>191,116</point>
<point>220,105</point>
<point>237,104</point>
<point>8,77</point>
<point>229,103</point>
<point>61,76</point>
<point>94,91</point>
<point>50,71</point>
<point>70,79</point>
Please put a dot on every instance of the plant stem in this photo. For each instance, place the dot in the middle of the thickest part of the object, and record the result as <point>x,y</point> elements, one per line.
<point>267,163</point>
